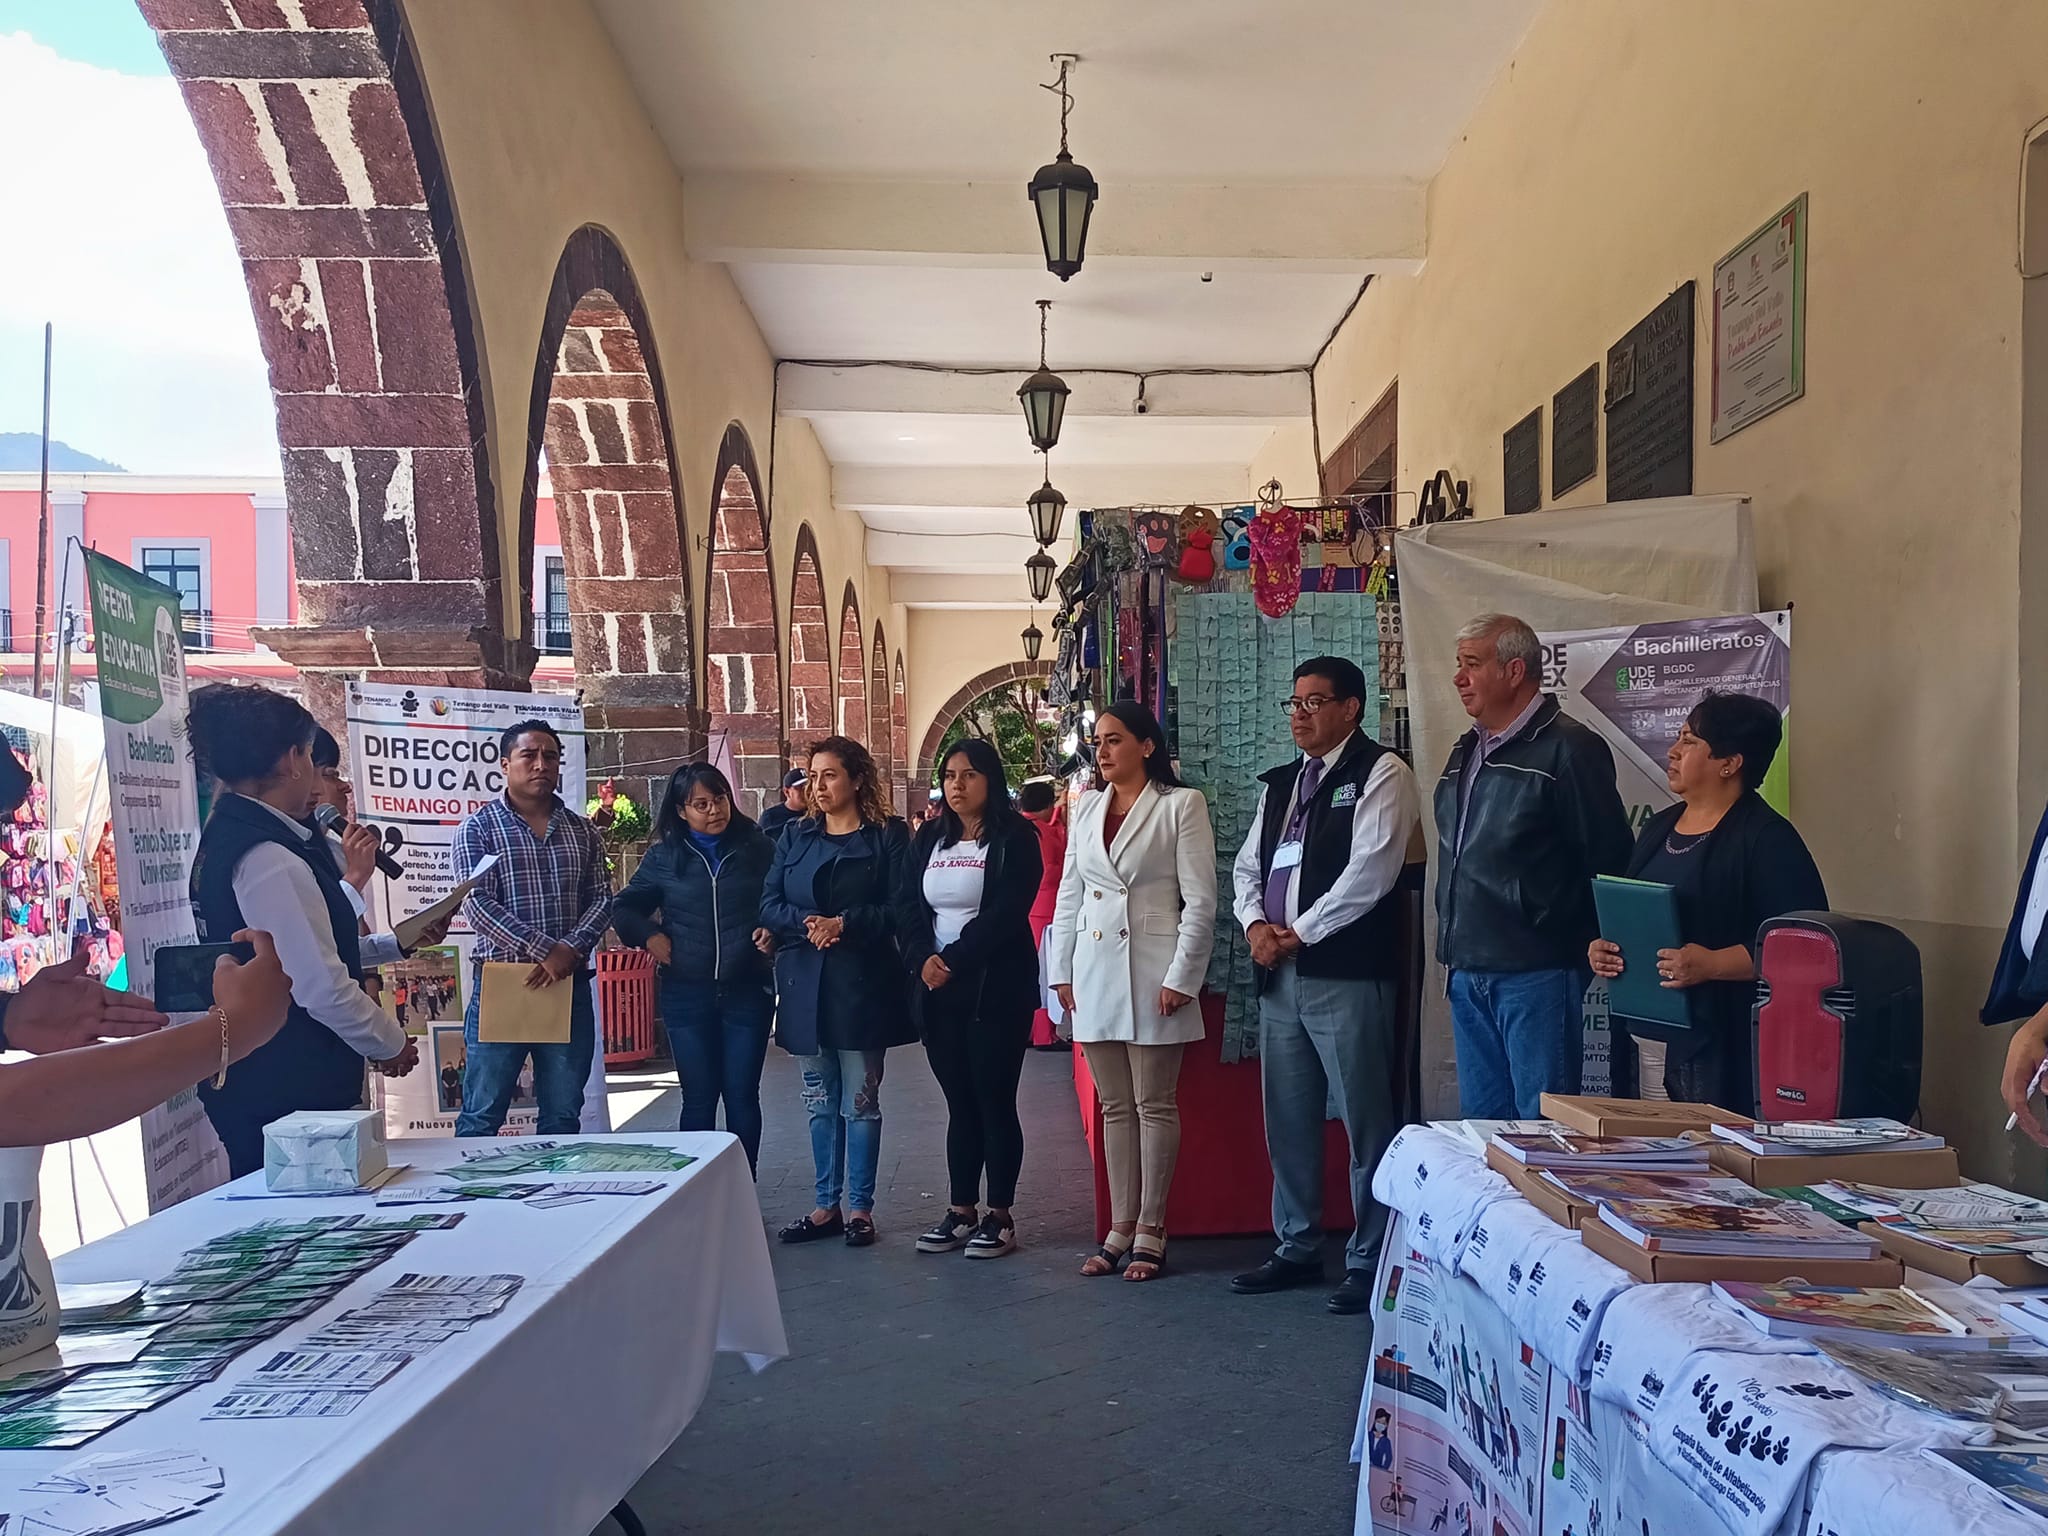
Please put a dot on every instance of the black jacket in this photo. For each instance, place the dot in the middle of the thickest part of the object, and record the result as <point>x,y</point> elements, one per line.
<point>994,960</point>
<point>1545,818</point>
<point>2019,985</point>
<point>709,914</point>
<point>1364,949</point>
<point>1755,867</point>
<point>852,996</point>
<point>776,819</point>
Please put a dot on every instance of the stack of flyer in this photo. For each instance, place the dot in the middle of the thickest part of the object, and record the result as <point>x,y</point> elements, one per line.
<point>1809,1138</point>
<point>1959,1234</point>
<point>1898,1316</point>
<point>1582,1153</point>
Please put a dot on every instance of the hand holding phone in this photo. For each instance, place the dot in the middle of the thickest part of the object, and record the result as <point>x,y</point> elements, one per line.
<point>185,973</point>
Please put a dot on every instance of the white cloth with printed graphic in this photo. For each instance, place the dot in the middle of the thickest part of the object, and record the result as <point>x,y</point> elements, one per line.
<point>1858,1493</point>
<point>1560,1304</point>
<point>1507,1244</point>
<point>1439,1183</point>
<point>1742,1430</point>
<point>1650,1329</point>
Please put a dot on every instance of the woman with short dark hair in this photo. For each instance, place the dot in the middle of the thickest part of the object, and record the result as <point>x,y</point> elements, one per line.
<point>963,914</point>
<point>694,904</point>
<point>260,864</point>
<point>1735,864</point>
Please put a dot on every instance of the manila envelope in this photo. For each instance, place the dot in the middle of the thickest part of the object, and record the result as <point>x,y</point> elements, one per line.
<point>509,1012</point>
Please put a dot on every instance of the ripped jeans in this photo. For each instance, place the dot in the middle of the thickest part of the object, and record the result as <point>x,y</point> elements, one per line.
<point>843,1093</point>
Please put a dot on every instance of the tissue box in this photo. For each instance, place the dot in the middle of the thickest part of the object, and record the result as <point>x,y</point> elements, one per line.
<point>320,1151</point>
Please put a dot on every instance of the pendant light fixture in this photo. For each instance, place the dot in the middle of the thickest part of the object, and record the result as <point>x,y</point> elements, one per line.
<point>1044,395</point>
<point>1033,638</point>
<point>1041,568</point>
<point>1045,507</point>
<point>1063,193</point>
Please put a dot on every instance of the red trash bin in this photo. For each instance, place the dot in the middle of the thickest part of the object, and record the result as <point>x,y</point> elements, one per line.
<point>625,983</point>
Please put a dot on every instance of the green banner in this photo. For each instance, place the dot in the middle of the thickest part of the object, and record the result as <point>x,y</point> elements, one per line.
<point>135,637</point>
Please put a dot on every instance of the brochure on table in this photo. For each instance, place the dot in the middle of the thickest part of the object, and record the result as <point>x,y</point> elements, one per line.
<point>422,759</point>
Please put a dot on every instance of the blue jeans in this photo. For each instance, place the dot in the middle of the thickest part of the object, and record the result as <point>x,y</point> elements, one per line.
<point>843,1093</point>
<point>1318,1035</point>
<point>559,1071</point>
<point>1519,1035</point>
<point>718,1031</point>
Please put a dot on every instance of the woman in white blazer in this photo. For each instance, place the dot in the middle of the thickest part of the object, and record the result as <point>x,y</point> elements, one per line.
<point>1129,944</point>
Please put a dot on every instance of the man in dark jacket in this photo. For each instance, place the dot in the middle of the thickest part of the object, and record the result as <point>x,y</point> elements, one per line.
<point>1526,815</point>
<point>791,806</point>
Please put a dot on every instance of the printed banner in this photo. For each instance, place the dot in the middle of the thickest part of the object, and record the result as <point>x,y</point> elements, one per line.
<point>422,759</point>
<point>155,806</point>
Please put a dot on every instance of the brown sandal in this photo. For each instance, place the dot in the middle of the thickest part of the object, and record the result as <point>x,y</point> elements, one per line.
<point>1148,1254</point>
<point>1109,1258</point>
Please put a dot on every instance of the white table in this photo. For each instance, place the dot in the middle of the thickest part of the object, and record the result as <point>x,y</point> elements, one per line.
<point>538,1420</point>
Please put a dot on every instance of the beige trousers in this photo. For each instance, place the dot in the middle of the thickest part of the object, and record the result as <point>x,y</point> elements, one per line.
<point>1140,1125</point>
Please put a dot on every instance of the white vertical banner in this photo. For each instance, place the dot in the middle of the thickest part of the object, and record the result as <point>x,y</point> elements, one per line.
<point>155,804</point>
<point>422,760</point>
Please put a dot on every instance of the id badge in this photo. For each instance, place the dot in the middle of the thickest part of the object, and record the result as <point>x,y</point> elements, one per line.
<point>1287,855</point>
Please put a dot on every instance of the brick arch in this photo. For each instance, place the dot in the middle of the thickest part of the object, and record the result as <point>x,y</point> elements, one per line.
<point>899,734</point>
<point>853,673</point>
<point>810,645</point>
<point>742,660</point>
<point>315,121</point>
<point>1039,672</point>
<point>600,410</point>
<point>878,705</point>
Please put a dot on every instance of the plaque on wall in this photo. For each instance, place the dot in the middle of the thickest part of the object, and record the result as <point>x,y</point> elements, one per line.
<point>1759,353</point>
<point>1521,464</point>
<point>1575,432</point>
<point>1649,422</point>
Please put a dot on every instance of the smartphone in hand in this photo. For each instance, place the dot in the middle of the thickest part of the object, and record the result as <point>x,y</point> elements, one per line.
<point>184,974</point>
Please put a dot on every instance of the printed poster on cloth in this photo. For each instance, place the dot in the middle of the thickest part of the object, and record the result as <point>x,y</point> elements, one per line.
<point>155,805</point>
<point>422,759</point>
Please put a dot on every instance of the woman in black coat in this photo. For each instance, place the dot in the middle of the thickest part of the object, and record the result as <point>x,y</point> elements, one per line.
<point>841,1002</point>
<point>963,911</point>
<point>695,905</point>
<point>1735,864</point>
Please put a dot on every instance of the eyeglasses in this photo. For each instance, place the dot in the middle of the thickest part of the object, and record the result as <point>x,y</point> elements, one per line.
<point>1307,706</point>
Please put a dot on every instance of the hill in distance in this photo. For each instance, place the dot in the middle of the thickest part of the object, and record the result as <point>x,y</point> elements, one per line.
<point>24,451</point>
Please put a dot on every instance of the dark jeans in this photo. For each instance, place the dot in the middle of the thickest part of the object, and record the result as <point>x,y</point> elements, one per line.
<point>718,1031</point>
<point>491,1073</point>
<point>977,1058</point>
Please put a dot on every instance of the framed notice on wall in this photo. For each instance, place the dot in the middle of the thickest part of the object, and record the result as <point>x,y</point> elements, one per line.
<point>1760,323</point>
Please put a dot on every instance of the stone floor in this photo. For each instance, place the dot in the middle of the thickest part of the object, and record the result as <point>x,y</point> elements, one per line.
<point>935,1394</point>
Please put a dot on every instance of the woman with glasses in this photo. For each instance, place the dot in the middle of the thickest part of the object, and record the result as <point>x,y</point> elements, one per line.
<point>1735,863</point>
<point>694,904</point>
<point>1130,942</point>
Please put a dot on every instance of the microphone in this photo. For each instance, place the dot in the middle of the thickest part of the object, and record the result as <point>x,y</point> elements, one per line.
<point>331,822</point>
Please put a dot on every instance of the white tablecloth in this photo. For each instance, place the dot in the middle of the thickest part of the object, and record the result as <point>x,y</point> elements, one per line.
<point>536,1421</point>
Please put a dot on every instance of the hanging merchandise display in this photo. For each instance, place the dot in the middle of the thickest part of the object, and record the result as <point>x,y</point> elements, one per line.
<point>1200,531</point>
<point>1237,539</point>
<point>1276,559</point>
<point>1158,539</point>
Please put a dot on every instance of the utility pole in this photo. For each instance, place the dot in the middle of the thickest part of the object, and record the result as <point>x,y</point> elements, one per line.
<point>43,519</point>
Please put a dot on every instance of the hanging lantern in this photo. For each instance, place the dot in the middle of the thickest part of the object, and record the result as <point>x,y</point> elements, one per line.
<point>1044,395</point>
<point>1063,193</point>
<point>1033,638</point>
<point>1045,507</point>
<point>1041,568</point>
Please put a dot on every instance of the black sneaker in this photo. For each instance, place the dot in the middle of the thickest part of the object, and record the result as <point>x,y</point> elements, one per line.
<point>952,1232</point>
<point>995,1237</point>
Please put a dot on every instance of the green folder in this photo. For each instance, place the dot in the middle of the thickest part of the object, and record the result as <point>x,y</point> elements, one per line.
<point>1642,917</point>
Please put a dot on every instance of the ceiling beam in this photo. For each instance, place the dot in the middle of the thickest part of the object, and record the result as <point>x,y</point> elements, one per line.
<point>991,552</point>
<point>877,487</point>
<point>814,389</point>
<point>926,589</point>
<point>1355,227</point>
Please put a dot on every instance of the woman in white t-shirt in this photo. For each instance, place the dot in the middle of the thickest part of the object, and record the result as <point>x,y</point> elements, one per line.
<point>963,917</point>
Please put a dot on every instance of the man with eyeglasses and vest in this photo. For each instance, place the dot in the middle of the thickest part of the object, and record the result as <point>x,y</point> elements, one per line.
<point>1314,885</point>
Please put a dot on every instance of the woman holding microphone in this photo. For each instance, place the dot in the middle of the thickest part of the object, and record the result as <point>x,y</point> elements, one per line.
<point>1130,942</point>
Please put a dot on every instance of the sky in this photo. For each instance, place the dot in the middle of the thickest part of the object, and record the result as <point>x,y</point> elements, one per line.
<point>117,238</point>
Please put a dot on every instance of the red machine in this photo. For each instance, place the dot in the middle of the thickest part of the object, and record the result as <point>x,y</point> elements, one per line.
<point>1838,1019</point>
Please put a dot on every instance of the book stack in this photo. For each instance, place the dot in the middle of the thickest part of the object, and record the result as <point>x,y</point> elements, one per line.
<point>1781,1152</point>
<point>1755,1228</point>
<point>2004,1387</point>
<point>1880,1316</point>
<point>1959,1234</point>
<point>1604,1154</point>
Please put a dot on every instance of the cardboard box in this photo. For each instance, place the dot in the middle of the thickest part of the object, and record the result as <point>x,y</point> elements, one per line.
<point>1962,1268</point>
<point>1935,1168</point>
<point>317,1151</point>
<point>1635,1117</point>
<point>1617,1250</point>
<point>1546,1197</point>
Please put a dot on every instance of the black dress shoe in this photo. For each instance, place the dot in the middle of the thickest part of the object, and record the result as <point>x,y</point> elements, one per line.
<point>805,1230</point>
<point>1276,1274</point>
<point>1354,1295</point>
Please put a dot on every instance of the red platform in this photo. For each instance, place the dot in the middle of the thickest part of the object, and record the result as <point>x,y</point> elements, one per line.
<point>1223,1184</point>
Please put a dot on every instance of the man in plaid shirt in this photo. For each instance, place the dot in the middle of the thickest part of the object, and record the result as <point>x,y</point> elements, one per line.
<point>546,903</point>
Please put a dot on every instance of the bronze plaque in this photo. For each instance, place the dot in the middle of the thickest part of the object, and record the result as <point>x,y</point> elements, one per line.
<point>1575,432</point>
<point>1649,404</point>
<point>1521,464</point>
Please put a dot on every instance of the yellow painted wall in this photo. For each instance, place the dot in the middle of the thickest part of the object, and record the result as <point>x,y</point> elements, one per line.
<point>951,646</point>
<point>1632,143</point>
